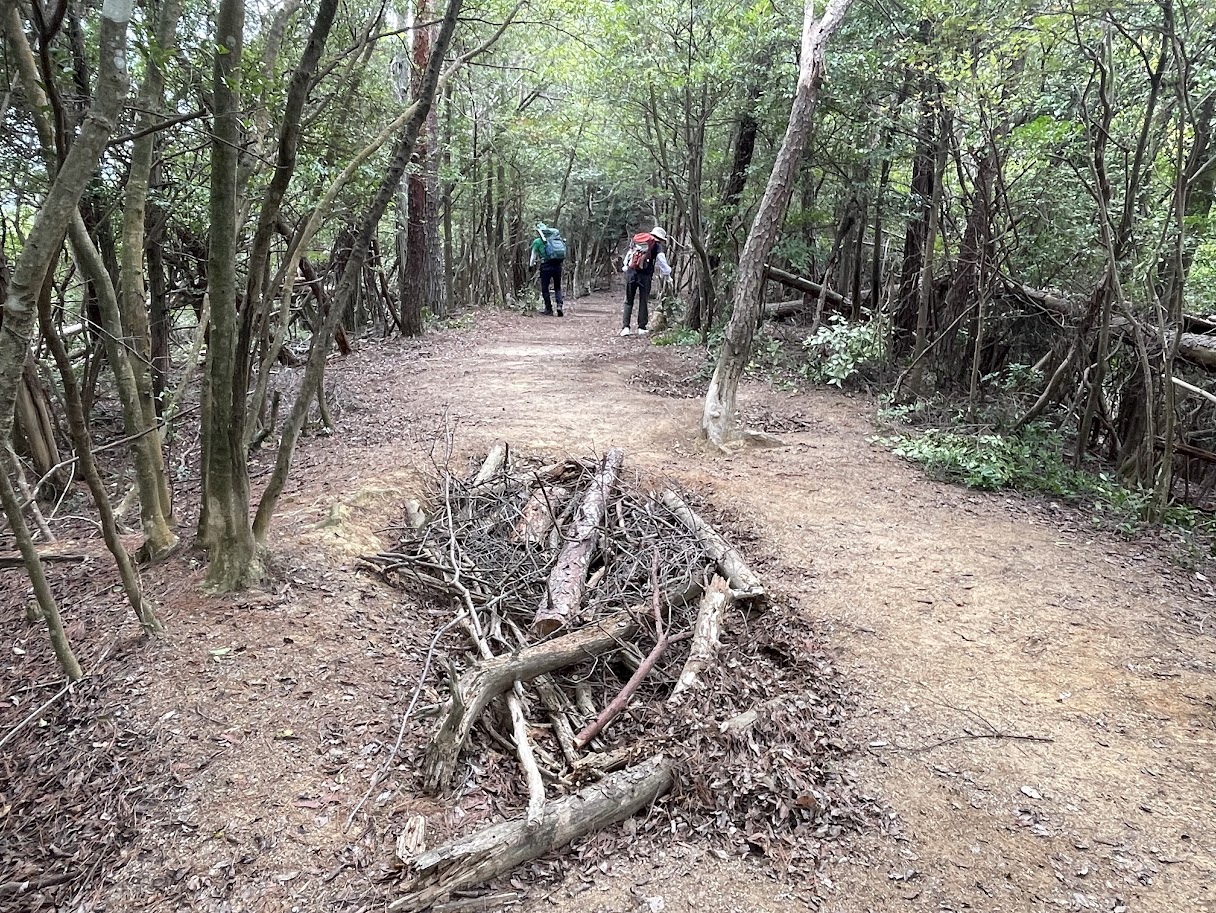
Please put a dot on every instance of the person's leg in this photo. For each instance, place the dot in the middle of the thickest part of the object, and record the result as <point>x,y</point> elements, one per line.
<point>545,278</point>
<point>644,301</point>
<point>631,288</point>
<point>557,286</point>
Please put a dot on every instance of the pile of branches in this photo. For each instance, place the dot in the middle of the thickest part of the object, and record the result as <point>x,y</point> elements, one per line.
<point>595,613</point>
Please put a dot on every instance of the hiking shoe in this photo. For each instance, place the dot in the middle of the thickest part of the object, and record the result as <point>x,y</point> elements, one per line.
<point>624,331</point>
<point>559,313</point>
<point>642,331</point>
<point>547,312</point>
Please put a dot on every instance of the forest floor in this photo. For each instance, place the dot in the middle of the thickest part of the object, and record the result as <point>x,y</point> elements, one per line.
<point>1032,702</point>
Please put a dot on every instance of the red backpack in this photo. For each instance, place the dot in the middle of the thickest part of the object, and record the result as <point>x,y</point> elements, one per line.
<point>642,251</point>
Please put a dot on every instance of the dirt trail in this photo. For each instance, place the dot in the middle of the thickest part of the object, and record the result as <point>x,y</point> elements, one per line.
<point>1037,702</point>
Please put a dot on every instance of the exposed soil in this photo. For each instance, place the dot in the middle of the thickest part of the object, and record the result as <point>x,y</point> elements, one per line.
<point>1033,703</point>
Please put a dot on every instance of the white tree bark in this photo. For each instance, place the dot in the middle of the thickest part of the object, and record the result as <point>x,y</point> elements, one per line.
<point>718,421</point>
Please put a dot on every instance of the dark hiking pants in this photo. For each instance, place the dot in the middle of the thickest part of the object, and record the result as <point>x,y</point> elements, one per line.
<point>637,284</point>
<point>551,272</point>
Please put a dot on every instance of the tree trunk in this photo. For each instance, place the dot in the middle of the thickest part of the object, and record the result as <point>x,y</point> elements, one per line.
<point>255,313</point>
<point>920,194</point>
<point>351,275</point>
<point>41,246</point>
<point>224,523</point>
<point>133,301</point>
<point>718,422</point>
<point>83,445</point>
<point>414,265</point>
<point>924,297</point>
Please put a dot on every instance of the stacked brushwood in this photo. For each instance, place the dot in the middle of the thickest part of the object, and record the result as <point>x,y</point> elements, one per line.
<point>587,601</point>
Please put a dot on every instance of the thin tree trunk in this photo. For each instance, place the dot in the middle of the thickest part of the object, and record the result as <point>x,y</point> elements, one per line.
<point>224,524</point>
<point>924,299</point>
<point>349,281</point>
<point>83,445</point>
<point>159,538</point>
<point>255,313</point>
<point>40,248</point>
<point>718,421</point>
<point>133,301</point>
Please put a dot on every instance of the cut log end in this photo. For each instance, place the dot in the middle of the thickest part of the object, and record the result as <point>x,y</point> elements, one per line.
<point>546,626</point>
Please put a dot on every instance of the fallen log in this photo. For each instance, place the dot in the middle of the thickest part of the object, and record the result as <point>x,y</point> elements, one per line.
<point>15,560</point>
<point>490,678</point>
<point>1197,344</point>
<point>806,285</point>
<point>1199,349</point>
<point>783,310</point>
<point>568,579</point>
<point>541,511</point>
<point>705,638</point>
<point>742,579</point>
<point>475,859</point>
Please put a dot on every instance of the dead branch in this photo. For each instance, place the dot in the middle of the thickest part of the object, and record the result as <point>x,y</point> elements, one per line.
<point>555,705</point>
<point>501,847</point>
<point>540,513</point>
<point>493,465</point>
<point>490,678</point>
<point>11,561</point>
<point>806,285</point>
<point>743,581</point>
<point>705,638</point>
<point>568,579</point>
<point>609,713</point>
<point>527,759</point>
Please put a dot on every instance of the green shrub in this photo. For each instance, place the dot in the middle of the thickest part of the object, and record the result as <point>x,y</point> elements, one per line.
<point>841,351</point>
<point>1032,461</point>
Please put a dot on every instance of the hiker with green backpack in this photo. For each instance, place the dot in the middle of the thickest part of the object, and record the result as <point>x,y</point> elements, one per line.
<point>549,250</point>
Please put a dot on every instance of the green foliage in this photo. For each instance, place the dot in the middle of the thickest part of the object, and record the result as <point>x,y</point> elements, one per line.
<point>841,351</point>
<point>1031,462</point>
<point>677,336</point>
<point>988,462</point>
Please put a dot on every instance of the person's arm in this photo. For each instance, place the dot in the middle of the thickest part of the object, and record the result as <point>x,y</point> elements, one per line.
<point>664,266</point>
<point>536,242</point>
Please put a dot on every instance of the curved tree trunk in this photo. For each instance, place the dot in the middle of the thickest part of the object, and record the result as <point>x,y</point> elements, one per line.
<point>352,274</point>
<point>133,301</point>
<point>40,248</point>
<point>718,421</point>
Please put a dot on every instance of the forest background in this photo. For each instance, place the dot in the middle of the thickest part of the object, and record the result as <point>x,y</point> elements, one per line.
<point>1000,222</point>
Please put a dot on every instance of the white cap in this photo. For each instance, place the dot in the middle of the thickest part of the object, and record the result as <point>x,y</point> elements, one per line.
<point>659,233</point>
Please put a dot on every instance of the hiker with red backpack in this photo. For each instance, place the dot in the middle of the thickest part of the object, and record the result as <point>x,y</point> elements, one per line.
<point>646,251</point>
<point>549,250</point>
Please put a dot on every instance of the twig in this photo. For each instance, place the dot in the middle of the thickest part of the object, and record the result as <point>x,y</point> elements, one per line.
<point>37,713</point>
<point>17,888</point>
<point>1016,736</point>
<point>609,713</point>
